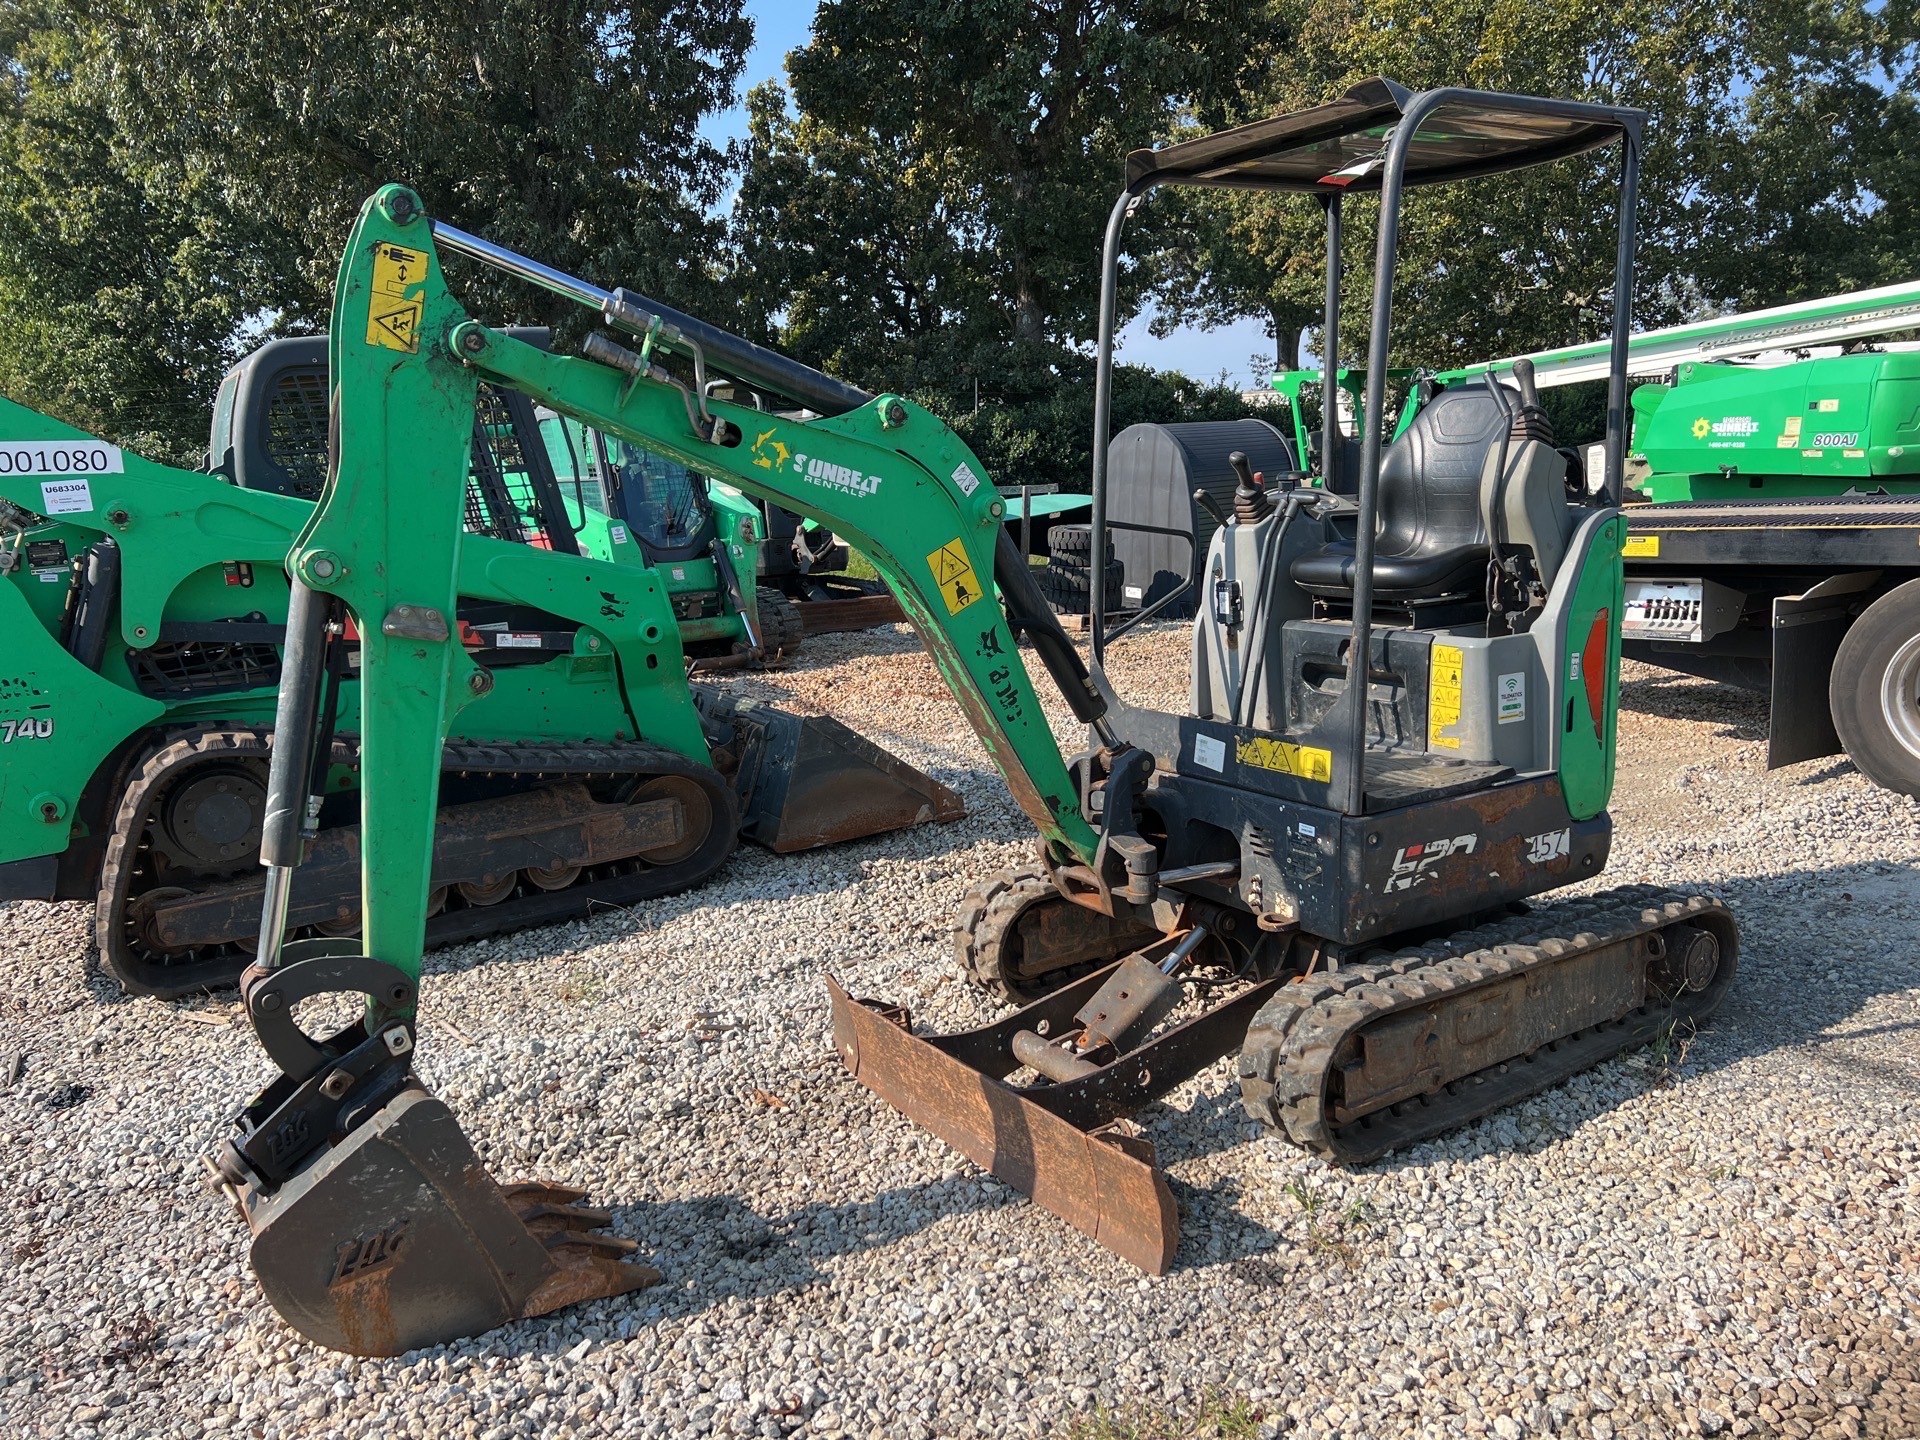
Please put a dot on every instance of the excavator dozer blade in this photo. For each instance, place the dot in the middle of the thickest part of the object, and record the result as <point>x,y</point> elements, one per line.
<point>1105,1181</point>
<point>395,1237</point>
<point>808,780</point>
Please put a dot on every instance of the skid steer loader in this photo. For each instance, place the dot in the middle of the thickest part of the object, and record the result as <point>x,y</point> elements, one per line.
<point>1321,866</point>
<point>145,608</point>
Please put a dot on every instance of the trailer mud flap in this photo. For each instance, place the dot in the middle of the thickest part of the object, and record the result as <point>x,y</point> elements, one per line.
<point>806,781</point>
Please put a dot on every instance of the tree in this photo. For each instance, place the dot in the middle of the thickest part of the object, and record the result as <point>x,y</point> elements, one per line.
<point>568,130</point>
<point>927,216</point>
<point>1777,132</point>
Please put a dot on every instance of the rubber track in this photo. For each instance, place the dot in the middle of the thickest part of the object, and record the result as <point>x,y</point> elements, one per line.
<point>992,908</point>
<point>1287,1060</point>
<point>184,750</point>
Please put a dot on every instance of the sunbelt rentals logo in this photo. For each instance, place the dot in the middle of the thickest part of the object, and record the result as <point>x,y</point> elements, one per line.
<point>1732,427</point>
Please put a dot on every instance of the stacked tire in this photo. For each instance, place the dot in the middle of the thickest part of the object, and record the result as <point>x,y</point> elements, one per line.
<point>1067,581</point>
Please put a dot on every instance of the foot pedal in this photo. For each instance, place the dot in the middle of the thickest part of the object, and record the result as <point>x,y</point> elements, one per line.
<point>395,1237</point>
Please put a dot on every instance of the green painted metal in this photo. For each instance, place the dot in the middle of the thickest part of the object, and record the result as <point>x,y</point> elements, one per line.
<point>1588,740</point>
<point>177,532</point>
<point>1289,383</point>
<point>889,478</point>
<point>57,719</point>
<point>1830,320</point>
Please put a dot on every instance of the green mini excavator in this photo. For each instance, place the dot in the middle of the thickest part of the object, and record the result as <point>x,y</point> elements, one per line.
<point>1401,729</point>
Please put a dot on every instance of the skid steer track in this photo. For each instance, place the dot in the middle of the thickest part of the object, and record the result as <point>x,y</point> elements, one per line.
<point>548,850</point>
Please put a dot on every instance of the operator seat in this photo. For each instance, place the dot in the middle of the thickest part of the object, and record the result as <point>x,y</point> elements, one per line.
<point>1433,540</point>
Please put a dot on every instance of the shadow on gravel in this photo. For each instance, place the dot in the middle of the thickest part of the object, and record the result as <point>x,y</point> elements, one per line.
<point>1672,696</point>
<point>717,1247</point>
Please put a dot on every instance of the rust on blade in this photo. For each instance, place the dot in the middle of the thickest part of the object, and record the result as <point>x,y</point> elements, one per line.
<point>1105,1182</point>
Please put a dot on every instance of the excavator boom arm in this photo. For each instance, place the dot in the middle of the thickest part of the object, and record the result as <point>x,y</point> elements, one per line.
<point>888,476</point>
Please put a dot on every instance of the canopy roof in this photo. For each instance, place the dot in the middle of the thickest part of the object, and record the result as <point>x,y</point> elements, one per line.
<point>1341,146</point>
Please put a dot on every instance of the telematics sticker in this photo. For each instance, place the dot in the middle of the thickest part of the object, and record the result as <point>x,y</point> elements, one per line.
<point>1513,698</point>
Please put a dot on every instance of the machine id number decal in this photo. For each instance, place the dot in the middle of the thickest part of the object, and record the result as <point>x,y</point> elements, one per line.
<point>1554,845</point>
<point>953,573</point>
<point>73,458</point>
<point>12,730</point>
<point>1415,864</point>
<point>1209,752</point>
<point>393,317</point>
<point>1301,761</point>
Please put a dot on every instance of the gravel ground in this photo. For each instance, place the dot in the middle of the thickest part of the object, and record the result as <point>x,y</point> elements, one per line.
<point>1722,1240</point>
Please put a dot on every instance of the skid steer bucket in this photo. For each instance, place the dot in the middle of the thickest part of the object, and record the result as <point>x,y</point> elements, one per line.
<point>808,780</point>
<point>1066,1144</point>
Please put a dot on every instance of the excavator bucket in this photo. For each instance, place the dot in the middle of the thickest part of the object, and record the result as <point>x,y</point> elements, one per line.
<point>395,1237</point>
<point>808,780</point>
<point>1067,1144</point>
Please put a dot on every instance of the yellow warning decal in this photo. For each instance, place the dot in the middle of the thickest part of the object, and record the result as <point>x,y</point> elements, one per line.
<point>393,319</point>
<point>1447,666</point>
<point>1302,761</point>
<point>953,573</point>
<point>1646,547</point>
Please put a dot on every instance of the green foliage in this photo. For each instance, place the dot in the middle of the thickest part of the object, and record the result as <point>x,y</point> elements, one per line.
<point>926,217</point>
<point>207,159</point>
<point>1778,148</point>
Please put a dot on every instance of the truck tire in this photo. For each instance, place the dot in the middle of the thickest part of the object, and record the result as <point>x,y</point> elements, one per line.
<point>1875,690</point>
<point>1073,544</point>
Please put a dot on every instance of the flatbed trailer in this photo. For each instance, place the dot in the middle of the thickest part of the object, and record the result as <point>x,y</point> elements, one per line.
<point>1812,600</point>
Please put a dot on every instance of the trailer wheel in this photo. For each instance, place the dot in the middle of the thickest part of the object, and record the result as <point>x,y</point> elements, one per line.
<point>1875,690</point>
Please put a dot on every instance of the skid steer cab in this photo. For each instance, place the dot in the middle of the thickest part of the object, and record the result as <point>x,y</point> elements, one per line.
<point>1401,727</point>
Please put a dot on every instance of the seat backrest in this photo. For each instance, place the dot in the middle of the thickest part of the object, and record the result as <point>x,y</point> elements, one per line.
<point>1430,476</point>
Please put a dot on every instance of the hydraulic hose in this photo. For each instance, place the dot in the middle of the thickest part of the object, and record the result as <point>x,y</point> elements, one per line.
<point>1027,611</point>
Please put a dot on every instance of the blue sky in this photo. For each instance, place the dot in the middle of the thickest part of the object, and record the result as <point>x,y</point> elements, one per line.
<point>1203,354</point>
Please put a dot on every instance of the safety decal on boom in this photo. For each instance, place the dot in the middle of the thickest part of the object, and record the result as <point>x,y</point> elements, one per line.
<point>1304,762</point>
<point>953,573</point>
<point>393,319</point>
